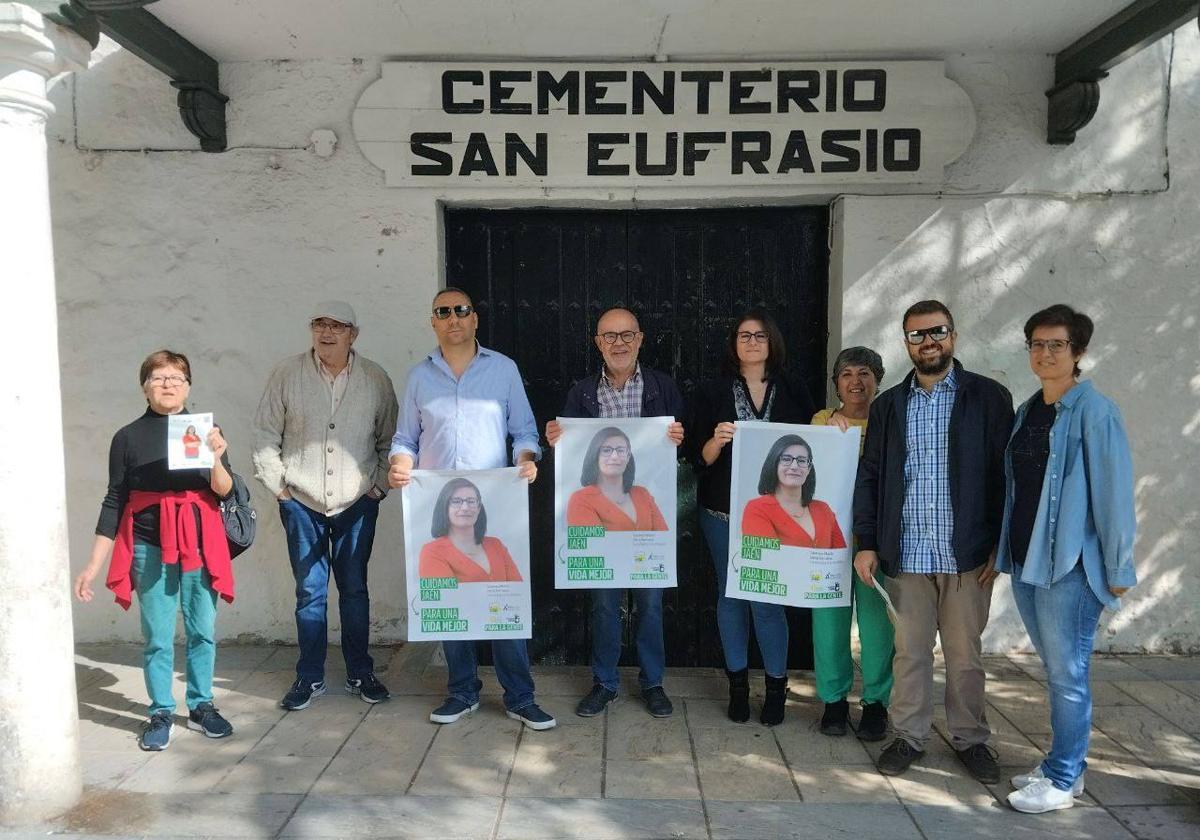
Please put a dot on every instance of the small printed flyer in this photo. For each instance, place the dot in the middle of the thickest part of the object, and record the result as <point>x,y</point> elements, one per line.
<point>614,504</point>
<point>466,545</point>
<point>790,513</point>
<point>187,441</point>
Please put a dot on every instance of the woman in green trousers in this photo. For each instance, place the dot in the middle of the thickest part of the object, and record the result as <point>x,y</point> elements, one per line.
<point>857,372</point>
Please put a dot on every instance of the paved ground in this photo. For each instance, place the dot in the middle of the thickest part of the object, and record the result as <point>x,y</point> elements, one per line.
<point>345,769</point>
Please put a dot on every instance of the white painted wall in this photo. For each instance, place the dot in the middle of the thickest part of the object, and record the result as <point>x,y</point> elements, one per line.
<point>220,255</point>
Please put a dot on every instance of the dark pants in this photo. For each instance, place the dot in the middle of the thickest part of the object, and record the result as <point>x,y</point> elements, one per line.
<point>316,544</point>
<point>511,658</point>
<point>606,637</point>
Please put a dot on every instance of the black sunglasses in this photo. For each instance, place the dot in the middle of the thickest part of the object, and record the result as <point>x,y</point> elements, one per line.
<point>462,310</point>
<point>938,333</point>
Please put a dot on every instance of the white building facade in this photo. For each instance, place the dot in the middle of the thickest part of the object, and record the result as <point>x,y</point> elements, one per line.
<point>158,244</point>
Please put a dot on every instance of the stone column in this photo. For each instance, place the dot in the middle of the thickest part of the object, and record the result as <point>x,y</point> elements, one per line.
<point>39,725</point>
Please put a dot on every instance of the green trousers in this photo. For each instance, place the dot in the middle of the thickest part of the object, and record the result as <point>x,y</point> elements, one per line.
<point>162,590</point>
<point>831,648</point>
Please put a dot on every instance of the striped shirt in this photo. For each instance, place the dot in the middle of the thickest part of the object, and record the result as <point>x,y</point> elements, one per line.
<point>626,402</point>
<point>927,518</point>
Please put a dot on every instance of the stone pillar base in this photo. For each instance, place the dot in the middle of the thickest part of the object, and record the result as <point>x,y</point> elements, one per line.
<point>39,727</point>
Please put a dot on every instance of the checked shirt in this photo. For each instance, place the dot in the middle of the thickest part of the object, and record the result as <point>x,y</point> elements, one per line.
<point>624,403</point>
<point>927,518</point>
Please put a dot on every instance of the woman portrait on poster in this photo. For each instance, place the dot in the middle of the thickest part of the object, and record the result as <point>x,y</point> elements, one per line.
<point>461,548</point>
<point>608,497</point>
<point>785,509</point>
<point>191,443</point>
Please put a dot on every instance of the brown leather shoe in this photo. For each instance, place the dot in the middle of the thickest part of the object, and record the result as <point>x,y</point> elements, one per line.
<point>980,761</point>
<point>897,757</point>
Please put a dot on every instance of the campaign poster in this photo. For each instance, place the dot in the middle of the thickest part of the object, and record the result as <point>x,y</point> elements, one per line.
<point>187,442</point>
<point>614,504</point>
<point>466,545</point>
<point>790,514</point>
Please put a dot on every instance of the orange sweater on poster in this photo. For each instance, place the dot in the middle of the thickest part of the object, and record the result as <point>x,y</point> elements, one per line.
<point>441,559</point>
<point>589,506</point>
<point>764,517</point>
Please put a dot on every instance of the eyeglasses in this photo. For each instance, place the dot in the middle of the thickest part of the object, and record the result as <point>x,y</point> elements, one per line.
<point>939,334</point>
<point>798,460</point>
<point>1053,346</point>
<point>610,451</point>
<point>335,327</point>
<point>759,337</point>
<point>626,337</point>
<point>162,381</point>
<point>462,310</point>
<point>470,503</point>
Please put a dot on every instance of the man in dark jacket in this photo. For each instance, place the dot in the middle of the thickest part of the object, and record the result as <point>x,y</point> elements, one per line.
<point>623,388</point>
<point>927,508</point>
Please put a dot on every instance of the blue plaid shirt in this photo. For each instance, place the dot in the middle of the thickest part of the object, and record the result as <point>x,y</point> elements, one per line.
<point>927,518</point>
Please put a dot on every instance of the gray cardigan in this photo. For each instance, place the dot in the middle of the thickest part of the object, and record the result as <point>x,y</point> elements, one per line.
<point>326,461</point>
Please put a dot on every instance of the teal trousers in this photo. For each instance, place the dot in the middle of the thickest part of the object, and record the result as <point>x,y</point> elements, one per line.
<point>161,591</point>
<point>831,648</point>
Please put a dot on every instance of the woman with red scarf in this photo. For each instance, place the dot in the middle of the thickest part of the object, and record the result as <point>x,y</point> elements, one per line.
<point>165,533</point>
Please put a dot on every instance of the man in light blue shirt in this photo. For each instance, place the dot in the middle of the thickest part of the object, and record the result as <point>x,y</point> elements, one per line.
<point>460,406</point>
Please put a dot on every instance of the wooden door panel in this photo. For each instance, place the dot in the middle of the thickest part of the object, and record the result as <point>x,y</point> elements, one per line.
<point>542,277</point>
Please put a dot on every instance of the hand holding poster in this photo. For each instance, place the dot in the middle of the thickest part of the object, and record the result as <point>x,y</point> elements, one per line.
<point>614,504</point>
<point>187,441</point>
<point>788,531</point>
<point>466,545</point>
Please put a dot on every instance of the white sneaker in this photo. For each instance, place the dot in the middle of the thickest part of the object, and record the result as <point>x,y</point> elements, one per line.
<point>1024,780</point>
<point>1040,797</point>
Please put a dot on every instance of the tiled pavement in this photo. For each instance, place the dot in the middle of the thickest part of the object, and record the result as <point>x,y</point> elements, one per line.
<point>345,769</point>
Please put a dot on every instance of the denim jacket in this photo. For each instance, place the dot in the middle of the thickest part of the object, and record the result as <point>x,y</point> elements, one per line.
<point>1086,509</point>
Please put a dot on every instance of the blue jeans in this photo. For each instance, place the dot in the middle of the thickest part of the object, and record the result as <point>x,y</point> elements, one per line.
<point>1062,622</point>
<point>606,637</point>
<point>316,544</point>
<point>733,614</point>
<point>511,657</point>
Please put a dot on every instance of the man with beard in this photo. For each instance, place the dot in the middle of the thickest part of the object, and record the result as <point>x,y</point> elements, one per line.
<point>928,505</point>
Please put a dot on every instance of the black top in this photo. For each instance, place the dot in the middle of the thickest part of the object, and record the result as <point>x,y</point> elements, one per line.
<point>713,403</point>
<point>980,423</point>
<point>137,460</point>
<point>1030,448</point>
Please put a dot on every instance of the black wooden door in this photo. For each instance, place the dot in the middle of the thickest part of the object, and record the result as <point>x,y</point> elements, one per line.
<point>541,278</point>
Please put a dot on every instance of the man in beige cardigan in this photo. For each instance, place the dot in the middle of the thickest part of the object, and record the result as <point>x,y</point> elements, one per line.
<point>321,439</point>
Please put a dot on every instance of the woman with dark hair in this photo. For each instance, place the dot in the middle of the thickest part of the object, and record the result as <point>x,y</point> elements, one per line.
<point>461,548</point>
<point>167,539</point>
<point>1067,538</point>
<point>191,443</point>
<point>785,508</point>
<point>608,496</point>
<point>754,386</point>
<point>857,372</point>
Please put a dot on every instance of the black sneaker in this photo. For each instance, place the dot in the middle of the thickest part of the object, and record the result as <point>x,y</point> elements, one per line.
<point>658,704</point>
<point>873,725</point>
<point>205,718</point>
<point>368,688</point>
<point>980,761</point>
<point>533,717</point>
<point>836,717</point>
<point>451,710</point>
<point>895,759</point>
<point>597,700</point>
<point>301,694</point>
<point>156,732</point>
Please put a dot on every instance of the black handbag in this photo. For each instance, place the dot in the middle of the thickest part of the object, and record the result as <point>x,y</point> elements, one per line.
<point>239,517</point>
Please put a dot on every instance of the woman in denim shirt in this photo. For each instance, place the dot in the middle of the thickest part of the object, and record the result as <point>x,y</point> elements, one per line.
<point>1067,538</point>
